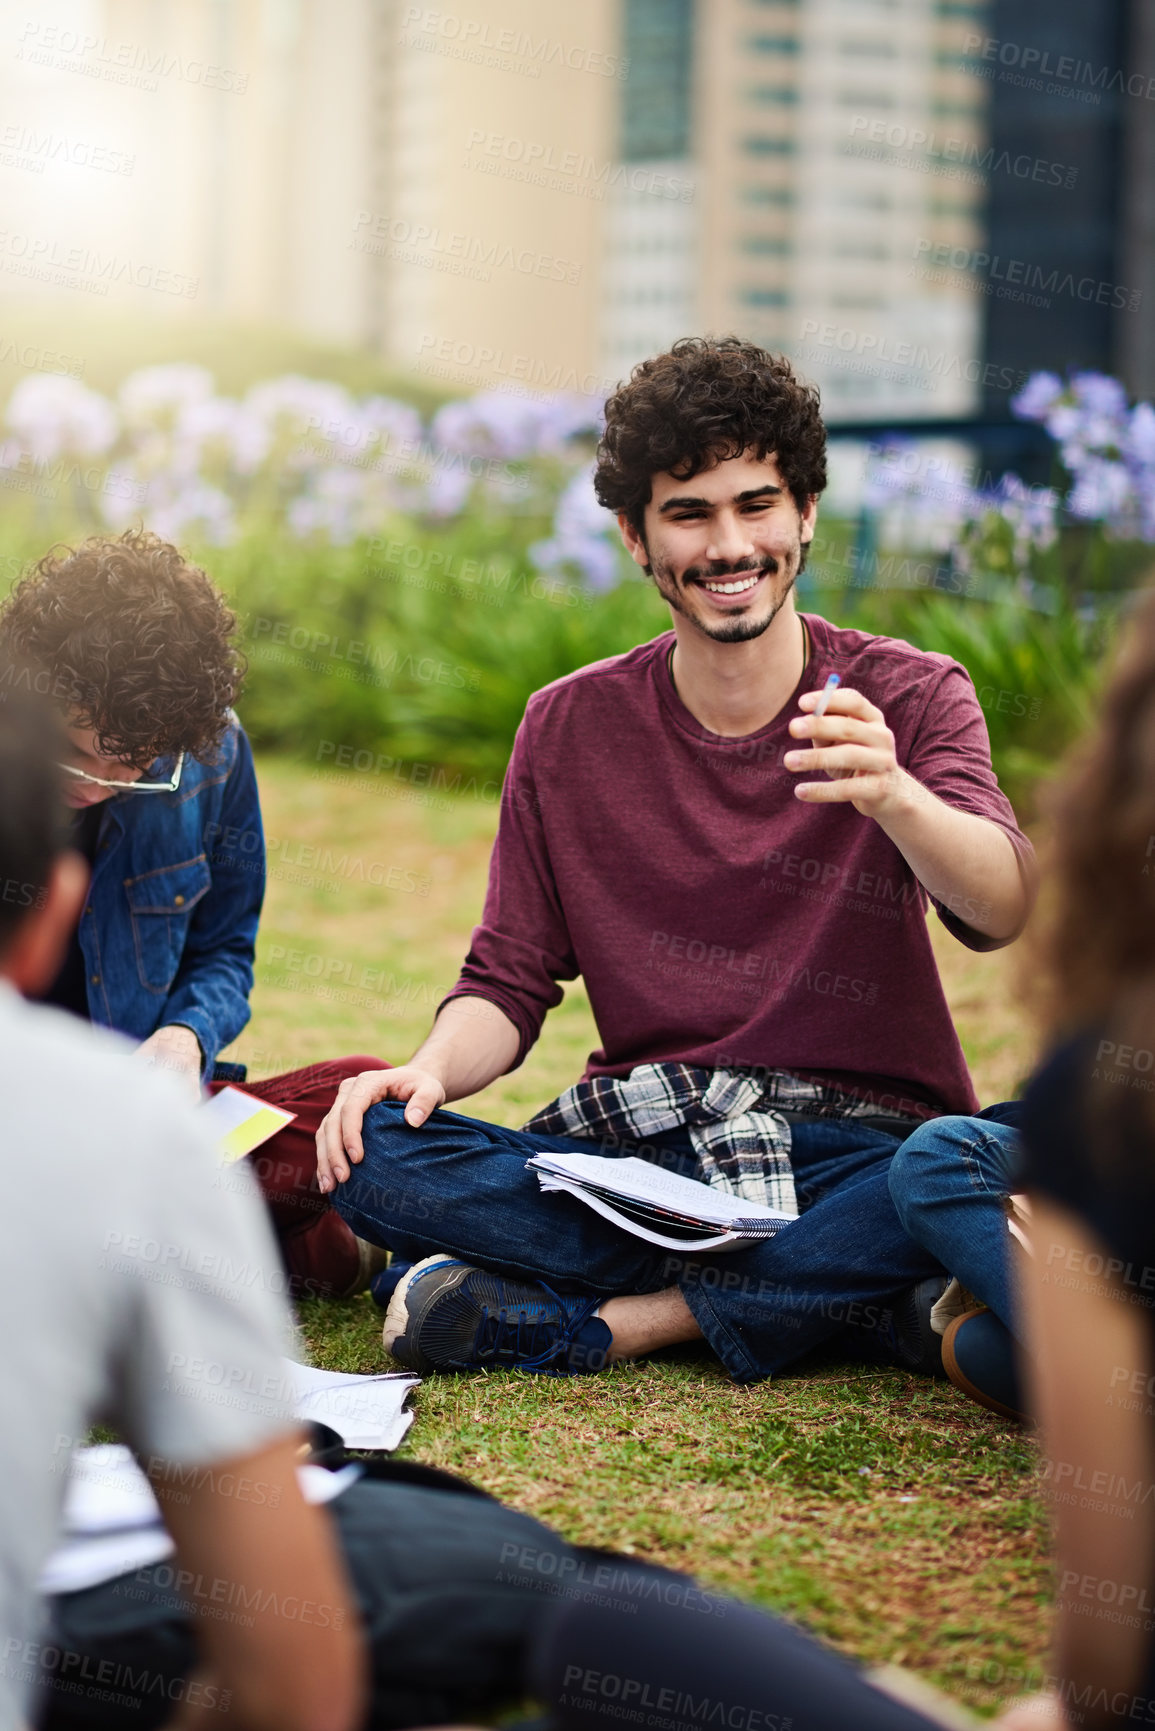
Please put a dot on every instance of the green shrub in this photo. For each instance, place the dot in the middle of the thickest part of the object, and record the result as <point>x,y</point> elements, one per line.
<point>426,642</point>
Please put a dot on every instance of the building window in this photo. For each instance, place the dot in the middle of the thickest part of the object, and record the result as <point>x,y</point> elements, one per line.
<point>763,297</point>
<point>865,99</point>
<point>785,94</point>
<point>655,107</point>
<point>769,245</point>
<point>767,195</point>
<point>759,145</point>
<point>768,45</point>
<point>944,110</point>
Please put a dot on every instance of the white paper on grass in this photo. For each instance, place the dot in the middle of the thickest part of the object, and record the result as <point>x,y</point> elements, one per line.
<point>112,1522</point>
<point>87,1559</point>
<point>720,1217</point>
<point>369,1412</point>
<point>107,1490</point>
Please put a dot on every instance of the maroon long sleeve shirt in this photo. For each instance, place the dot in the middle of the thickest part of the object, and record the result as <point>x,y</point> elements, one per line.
<point>715,918</point>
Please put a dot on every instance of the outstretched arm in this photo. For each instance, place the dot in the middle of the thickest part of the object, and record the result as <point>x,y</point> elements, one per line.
<point>967,863</point>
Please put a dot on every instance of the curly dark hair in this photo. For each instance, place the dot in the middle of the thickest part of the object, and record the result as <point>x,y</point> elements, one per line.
<point>136,642</point>
<point>708,399</point>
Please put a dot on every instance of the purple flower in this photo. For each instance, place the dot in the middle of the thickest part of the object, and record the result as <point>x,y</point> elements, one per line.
<point>513,426</point>
<point>397,425</point>
<point>1139,443</point>
<point>295,419</point>
<point>194,511</point>
<point>1102,491</point>
<point>1099,395</point>
<point>1037,396</point>
<point>585,536</point>
<point>333,504</point>
<point>157,396</point>
<point>446,491</point>
<point>592,557</point>
<point>1032,513</point>
<point>54,416</point>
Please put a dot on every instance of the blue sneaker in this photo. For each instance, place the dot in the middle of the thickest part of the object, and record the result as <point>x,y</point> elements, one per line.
<point>445,1315</point>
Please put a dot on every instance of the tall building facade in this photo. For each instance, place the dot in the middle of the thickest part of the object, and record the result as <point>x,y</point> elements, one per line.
<point>834,147</point>
<point>653,216</point>
<point>259,135</point>
<point>534,195</point>
<point>1076,83</point>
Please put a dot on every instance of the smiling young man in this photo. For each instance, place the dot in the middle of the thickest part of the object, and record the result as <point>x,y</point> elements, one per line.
<point>742,885</point>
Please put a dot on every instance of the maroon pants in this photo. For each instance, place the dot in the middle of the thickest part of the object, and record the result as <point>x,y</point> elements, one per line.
<point>319,1250</point>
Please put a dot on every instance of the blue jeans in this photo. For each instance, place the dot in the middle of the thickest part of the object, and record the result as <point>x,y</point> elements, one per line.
<point>949,1182</point>
<point>460,1186</point>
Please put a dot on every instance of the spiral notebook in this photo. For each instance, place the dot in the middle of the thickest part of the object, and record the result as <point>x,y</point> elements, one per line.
<point>662,1207</point>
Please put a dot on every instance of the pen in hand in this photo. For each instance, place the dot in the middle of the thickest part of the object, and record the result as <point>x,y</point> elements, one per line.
<point>831,685</point>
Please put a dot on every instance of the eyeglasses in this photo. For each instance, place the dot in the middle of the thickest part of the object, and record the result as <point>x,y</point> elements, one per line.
<point>169,786</point>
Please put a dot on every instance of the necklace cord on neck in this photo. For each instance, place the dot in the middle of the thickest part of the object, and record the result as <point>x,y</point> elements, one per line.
<point>805,654</point>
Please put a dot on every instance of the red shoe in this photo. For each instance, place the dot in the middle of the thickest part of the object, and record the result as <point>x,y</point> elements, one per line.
<point>326,1259</point>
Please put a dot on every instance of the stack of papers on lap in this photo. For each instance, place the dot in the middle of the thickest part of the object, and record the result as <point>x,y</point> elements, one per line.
<point>662,1207</point>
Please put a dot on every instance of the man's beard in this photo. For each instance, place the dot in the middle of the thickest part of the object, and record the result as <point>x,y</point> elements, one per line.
<point>739,629</point>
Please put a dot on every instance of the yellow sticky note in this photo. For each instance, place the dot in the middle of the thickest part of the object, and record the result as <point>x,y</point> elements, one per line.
<point>255,1130</point>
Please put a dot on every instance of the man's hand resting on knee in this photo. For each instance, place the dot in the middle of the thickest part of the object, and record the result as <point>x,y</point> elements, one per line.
<point>339,1135</point>
<point>470,1044</point>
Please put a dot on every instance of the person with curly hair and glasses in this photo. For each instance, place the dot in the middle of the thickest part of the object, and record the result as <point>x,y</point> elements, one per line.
<point>135,646</point>
<point>732,833</point>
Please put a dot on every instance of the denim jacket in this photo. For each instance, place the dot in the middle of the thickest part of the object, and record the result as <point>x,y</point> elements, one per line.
<point>169,927</point>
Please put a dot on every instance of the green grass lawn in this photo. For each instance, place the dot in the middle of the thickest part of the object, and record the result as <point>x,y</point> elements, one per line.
<point>882,1511</point>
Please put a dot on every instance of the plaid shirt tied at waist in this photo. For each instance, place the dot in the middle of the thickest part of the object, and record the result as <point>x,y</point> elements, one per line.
<point>734,1118</point>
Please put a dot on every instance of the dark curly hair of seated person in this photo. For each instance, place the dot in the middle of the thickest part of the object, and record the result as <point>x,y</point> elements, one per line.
<point>704,401</point>
<point>132,641</point>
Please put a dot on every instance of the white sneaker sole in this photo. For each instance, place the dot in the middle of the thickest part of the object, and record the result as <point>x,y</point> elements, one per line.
<point>397,1315</point>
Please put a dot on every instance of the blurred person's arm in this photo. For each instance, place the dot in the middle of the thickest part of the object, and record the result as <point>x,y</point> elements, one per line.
<point>471,1043</point>
<point>197,1385</point>
<point>1088,1340</point>
<point>209,995</point>
<point>273,1610</point>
